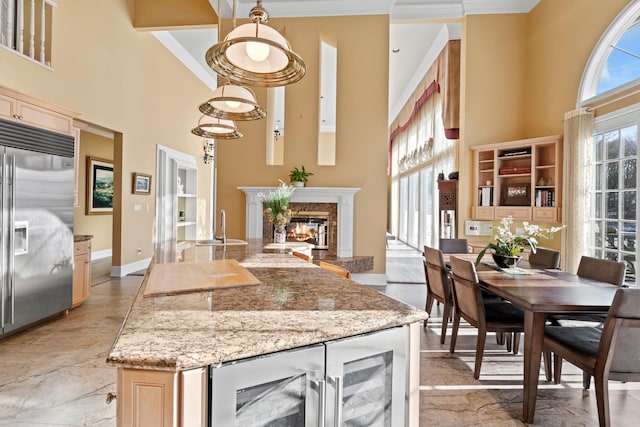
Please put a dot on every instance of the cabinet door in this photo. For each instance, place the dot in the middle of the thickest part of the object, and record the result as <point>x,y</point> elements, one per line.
<point>367,379</point>
<point>283,389</point>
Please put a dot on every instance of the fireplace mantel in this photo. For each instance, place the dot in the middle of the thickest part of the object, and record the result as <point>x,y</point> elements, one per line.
<point>343,196</point>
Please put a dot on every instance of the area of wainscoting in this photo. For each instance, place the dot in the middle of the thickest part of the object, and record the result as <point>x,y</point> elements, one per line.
<point>55,374</point>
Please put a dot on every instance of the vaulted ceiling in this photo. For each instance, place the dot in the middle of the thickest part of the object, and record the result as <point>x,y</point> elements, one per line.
<point>411,20</point>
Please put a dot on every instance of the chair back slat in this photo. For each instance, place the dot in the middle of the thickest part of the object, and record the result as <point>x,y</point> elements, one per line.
<point>454,246</point>
<point>603,270</point>
<point>545,258</point>
<point>620,343</point>
<point>437,273</point>
<point>466,291</point>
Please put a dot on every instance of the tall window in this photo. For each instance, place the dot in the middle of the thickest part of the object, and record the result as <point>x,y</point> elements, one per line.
<point>614,212</point>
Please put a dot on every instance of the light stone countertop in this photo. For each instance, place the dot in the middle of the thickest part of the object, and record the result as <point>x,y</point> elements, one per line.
<point>296,305</point>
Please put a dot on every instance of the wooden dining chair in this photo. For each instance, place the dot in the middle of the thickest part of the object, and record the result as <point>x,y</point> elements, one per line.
<point>438,286</point>
<point>336,269</point>
<point>303,256</point>
<point>454,246</point>
<point>612,353</point>
<point>494,316</point>
<point>545,258</point>
<point>602,270</point>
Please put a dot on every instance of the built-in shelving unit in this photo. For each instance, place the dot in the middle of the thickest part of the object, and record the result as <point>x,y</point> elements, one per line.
<point>187,203</point>
<point>519,178</point>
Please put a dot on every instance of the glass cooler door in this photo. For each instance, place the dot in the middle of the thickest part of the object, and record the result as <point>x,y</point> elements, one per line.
<point>366,380</point>
<point>279,390</point>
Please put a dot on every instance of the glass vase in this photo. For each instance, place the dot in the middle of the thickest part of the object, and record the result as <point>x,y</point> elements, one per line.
<point>279,233</point>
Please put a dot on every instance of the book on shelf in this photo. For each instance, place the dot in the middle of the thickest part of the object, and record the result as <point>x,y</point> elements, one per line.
<point>485,196</point>
<point>545,198</point>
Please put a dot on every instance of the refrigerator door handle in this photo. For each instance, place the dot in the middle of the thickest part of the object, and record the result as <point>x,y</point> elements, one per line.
<point>12,220</point>
<point>3,183</point>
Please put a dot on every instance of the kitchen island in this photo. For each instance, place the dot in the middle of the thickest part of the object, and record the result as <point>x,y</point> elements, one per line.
<point>169,347</point>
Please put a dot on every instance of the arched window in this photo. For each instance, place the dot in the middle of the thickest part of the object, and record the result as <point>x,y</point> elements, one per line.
<point>614,65</point>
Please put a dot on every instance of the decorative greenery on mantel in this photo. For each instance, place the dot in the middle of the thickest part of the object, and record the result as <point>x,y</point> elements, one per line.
<point>299,175</point>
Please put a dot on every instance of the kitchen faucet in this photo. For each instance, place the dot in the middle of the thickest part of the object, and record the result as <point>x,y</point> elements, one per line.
<point>223,226</point>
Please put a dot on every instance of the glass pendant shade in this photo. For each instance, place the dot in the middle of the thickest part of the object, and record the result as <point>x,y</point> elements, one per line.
<point>233,102</point>
<point>256,54</point>
<point>215,128</point>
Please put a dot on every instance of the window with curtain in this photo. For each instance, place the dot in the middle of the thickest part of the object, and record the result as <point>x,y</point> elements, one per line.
<point>613,211</point>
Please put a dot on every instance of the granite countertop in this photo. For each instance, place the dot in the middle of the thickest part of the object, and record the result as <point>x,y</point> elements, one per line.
<point>82,237</point>
<point>297,304</point>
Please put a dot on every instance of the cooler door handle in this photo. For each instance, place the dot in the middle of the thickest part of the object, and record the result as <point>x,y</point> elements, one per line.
<point>337,383</point>
<point>3,186</point>
<point>321,385</point>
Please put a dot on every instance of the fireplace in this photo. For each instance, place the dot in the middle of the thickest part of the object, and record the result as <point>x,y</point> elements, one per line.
<point>314,223</point>
<point>338,201</point>
<point>310,227</point>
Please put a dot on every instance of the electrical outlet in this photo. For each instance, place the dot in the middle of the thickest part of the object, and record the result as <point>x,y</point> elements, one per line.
<point>139,251</point>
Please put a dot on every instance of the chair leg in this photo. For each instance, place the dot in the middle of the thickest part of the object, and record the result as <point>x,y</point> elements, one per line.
<point>602,400</point>
<point>546,357</point>
<point>500,338</point>
<point>445,321</point>
<point>429,305</point>
<point>454,333</point>
<point>586,380</point>
<point>557,368</point>
<point>516,342</point>
<point>509,340</point>
<point>482,336</point>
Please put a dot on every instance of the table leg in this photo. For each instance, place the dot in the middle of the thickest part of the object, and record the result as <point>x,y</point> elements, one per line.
<point>533,341</point>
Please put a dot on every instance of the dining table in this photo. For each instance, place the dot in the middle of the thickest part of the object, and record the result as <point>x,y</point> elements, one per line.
<point>539,292</point>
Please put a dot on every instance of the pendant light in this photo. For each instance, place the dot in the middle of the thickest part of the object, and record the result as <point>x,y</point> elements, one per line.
<point>233,102</point>
<point>215,128</point>
<point>256,54</point>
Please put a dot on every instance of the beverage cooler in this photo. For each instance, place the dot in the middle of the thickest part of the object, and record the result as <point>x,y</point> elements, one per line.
<point>357,381</point>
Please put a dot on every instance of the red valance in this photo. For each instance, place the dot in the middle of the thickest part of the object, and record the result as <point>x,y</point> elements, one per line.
<point>434,87</point>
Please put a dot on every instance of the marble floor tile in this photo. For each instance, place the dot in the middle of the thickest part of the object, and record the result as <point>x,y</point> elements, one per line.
<point>55,374</point>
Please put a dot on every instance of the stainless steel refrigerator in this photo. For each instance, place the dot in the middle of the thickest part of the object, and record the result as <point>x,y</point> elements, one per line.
<point>36,223</point>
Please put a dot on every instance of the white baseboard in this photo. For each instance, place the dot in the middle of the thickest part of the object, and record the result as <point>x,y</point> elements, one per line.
<point>123,270</point>
<point>370,279</point>
<point>95,255</point>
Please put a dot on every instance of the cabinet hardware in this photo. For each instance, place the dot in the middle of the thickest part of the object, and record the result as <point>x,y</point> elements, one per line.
<point>111,397</point>
<point>322,396</point>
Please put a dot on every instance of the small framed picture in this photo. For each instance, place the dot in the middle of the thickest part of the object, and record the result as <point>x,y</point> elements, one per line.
<point>141,183</point>
<point>516,194</point>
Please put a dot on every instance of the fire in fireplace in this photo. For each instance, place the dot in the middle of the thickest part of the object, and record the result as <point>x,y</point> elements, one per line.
<point>309,227</point>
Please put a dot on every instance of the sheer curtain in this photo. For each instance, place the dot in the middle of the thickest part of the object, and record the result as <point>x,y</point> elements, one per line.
<point>577,164</point>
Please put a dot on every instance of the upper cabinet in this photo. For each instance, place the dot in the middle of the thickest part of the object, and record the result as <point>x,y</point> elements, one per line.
<point>519,178</point>
<point>30,111</point>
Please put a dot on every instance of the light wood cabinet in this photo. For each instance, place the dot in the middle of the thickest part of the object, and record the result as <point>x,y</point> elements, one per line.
<point>31,111</point>
<point>162,398</point>
<point>519,178</point>
<point>81,272</point>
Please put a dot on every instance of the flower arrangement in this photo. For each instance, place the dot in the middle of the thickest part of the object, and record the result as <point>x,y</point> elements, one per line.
<point>510,244</point>
<point>277,204</point>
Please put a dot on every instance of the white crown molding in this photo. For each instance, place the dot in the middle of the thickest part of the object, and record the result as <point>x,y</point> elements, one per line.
<point>397,9</point>
<point>185,57</point>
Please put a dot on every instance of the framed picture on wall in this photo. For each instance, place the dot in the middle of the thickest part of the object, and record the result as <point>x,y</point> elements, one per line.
<point>141,183</point>
<point>99,186</point>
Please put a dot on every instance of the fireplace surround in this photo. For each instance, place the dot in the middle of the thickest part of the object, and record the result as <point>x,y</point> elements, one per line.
<point>342,198</point>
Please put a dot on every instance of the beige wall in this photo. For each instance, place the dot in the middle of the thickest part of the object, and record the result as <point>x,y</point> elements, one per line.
<point>123,80</point>
<point>99,226</point>
<point>521,73</point>
<point>361,135</point>
<point>164,14</point>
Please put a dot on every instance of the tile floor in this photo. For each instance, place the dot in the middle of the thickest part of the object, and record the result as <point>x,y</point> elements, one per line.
<point>54,374</point>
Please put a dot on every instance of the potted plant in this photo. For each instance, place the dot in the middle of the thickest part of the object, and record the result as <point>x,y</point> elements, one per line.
<point>506,250</point>
<point>299,177</point>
